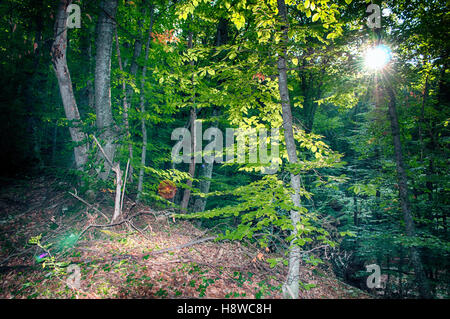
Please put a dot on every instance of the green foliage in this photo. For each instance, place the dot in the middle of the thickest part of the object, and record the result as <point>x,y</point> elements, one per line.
<point>229,77</point>
<point>48,261</point>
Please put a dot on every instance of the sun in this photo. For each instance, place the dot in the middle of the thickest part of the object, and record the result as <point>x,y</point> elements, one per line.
<point>377,57</point>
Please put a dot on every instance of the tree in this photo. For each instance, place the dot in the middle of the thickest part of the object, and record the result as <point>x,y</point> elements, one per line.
<point>142,107</point>
<point>424,288</point>
<point>59,61</point>
<point>104,119</point>
<point>291,285</point>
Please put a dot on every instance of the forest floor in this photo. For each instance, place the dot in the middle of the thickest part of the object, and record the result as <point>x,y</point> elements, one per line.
<point>123,262</point>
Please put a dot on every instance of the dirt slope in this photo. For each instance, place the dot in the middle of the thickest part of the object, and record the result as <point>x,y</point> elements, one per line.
<point>123,262</point>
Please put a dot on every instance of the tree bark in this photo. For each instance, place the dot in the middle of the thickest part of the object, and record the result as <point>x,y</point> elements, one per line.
<point>105,122</point>
<point>58,53</point>
<point>424,289</point>
<point>291,286</point>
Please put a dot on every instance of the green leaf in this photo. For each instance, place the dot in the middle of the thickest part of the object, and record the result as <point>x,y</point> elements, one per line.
<point>315,17</point>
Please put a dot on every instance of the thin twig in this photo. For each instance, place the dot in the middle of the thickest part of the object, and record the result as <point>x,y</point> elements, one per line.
<point>124,185</point>
<point>139,230</point>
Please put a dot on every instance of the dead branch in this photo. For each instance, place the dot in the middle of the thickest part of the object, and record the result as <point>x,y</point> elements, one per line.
<point>116,169</point>
<point>138,229</point>
<point>124,184</point>
<point>89,205</point>
<point>116,223</point>
<point>103,152</point>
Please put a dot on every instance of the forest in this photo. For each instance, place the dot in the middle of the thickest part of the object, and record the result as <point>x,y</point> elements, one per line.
<point>224,149</point>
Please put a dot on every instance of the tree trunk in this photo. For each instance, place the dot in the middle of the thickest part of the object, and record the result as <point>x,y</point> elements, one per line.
<point>59,61</point>
<point>193,117</point>
<point>422,281</point>
<point>105,122</point>
<point>207,168</point>
<point>136,54</point>
<point>142,105</point>
<point>205,179</point>
<point>291,286</point>
<point>54,143</point>
<point>87,68</point>
<point>205,182</point>
<point>125,102</point>
<point>187,192</point>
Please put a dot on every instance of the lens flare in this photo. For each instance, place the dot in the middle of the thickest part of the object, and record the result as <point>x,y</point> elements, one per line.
<point>377,57</point>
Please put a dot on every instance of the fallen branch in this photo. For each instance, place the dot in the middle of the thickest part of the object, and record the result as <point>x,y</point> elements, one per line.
<point>114,224</point>
<point>89,205</point>
<point>139,230</point>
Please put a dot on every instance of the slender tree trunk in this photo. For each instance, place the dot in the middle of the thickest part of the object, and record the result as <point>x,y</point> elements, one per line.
<point>422,281</point>
<point>129,90</point>
<point>193,117</point>
<point>105,122</point>
<point>142,105</point>
<point>291,286</point>
<point>32,96</point>
<point>136,54</point>
<point>205,182</point>
<point>207,168</point>
<point>205,179</point>
<point>86,50</point>
<point>59,61</point>
<point>187,192</point>
<point>90,84</point>
<point>54,143</point>
<point>125,102</point>
<point>422,117</point>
